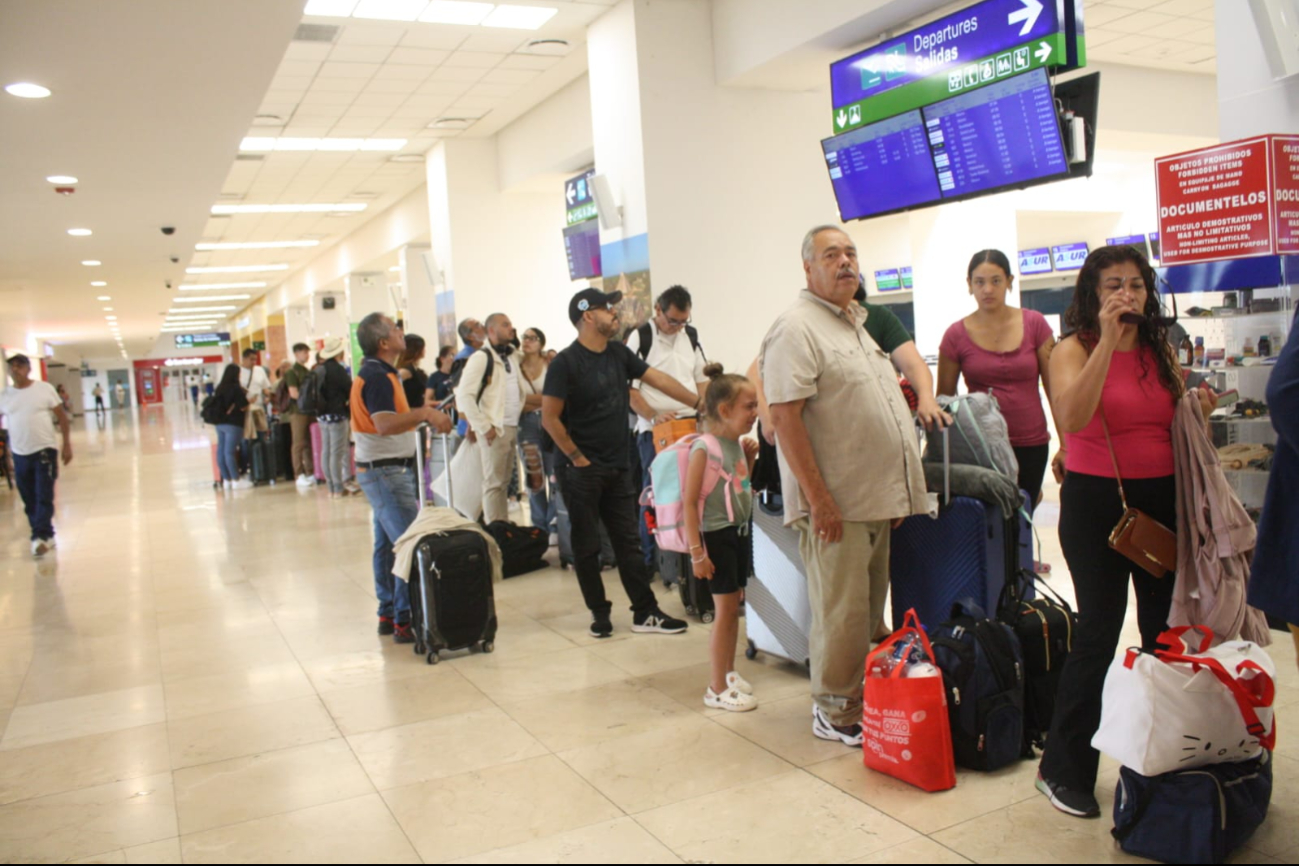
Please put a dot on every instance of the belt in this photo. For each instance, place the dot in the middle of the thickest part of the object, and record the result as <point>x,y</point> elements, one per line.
<point>387,461</point>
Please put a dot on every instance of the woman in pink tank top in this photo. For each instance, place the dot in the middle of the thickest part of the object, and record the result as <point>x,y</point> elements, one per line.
<point>1003,350</point>
<point>1124,374</point>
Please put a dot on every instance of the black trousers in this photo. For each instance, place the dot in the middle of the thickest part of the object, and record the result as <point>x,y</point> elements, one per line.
<point>594,494</point>
<point>1032,461</point>
<point>1089,509</point>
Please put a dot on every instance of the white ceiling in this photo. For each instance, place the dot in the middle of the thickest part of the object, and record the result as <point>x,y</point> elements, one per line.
<point>150,121</point>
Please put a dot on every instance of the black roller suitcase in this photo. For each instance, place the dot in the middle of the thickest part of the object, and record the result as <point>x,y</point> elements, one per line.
<point>282,448</point>
<point>696,597</point>
<point>261,459</point>
<point>452,601</point>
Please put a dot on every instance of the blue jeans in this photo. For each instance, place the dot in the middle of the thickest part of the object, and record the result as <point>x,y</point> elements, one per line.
<point>228,436</point>
<point>395,501</point>
<point>35,475</point>
<point>645,447</point>
<point>544,509</point>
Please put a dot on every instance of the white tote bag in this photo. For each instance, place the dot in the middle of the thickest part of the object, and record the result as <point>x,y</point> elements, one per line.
<point>1180,709</point>
<point>466,472</point>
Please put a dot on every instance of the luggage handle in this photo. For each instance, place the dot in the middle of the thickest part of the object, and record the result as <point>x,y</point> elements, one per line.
<point>1245,700</point>
<point>910,626</point>
<point>425,429</point>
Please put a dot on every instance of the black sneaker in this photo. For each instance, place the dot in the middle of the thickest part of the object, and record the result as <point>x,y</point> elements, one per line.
<point>849,735</point>
<point>601,626</point>
<point>385,625</point>
<point>1080,804</point>
<point>402,633</point>
<point>657,622</point>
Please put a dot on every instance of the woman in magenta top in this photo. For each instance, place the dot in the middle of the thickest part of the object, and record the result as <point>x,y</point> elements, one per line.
<point>1003,350</point>
<point>1123,375</point>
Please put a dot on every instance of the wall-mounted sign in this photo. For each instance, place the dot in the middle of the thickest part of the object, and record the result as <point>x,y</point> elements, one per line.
<point>579,202</point>
<point>983,43</point>
<point>1137,242</point>
<point>905,275</point>
<point>1034,261</point>
<point>1230,201</point>
<point>1069,257</point>
<point>888,280</point>
<point>259,345</point>
<point>202,341</point>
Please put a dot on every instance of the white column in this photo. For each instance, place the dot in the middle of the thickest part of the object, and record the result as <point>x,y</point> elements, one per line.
<point>1250,101</point>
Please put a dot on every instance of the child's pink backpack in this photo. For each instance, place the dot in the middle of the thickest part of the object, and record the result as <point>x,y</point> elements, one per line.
<point>666,493</point>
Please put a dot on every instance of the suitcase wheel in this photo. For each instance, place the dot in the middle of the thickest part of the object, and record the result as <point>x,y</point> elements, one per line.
<point>750,651</point>
<point>706,616</point>
<point>432,657</point>
<point>489,646</point>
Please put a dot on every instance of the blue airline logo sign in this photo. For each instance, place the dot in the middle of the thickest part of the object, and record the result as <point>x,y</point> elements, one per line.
<point>996,31</point>
<point>1069,257</point>
<point>1035,261</point>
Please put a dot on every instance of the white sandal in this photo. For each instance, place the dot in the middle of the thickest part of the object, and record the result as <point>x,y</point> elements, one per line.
<point>731,700</point>
<point>739,683</point>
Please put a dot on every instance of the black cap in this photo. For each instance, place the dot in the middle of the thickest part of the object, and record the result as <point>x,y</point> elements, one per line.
<point>590,299</point>
<point>19,359</point>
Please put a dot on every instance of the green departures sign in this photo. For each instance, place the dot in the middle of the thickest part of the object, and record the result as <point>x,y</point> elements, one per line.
<point>1047,51</point>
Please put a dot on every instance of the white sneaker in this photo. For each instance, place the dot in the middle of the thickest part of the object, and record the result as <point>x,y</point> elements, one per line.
<point>739,683</point>
<point>306,481</point>
<point>242,484</point>
<point>227,484</point>
<point>40,547</point>
<point>50,543</point>
<point>732,700</point>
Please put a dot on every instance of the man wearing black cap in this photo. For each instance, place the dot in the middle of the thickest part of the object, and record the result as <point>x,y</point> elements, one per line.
<point>584,409</point>
<point>30,408</point>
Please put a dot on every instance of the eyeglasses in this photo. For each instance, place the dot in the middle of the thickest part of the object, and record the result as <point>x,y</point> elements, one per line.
<point>531,338</point>
<point>677,323</point>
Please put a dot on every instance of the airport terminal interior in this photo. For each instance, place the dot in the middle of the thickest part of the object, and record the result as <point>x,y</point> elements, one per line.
<point>191,672</point>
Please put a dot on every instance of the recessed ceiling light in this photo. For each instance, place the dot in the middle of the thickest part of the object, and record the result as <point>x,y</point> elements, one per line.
<point>99,283</point>
<point>108,309</point>
<point>268,120</point>
<point>455,12</point>
<point>110,318</point>
<point>257,245</point>
<point>285,208</point>
<point>203,287</point>
<point>92,263</point>
<point>237,269</point>
<point>103,298</point>
<point>27,90</point>
<point>332,8</point>
<point>547,47</point>
<point>452,123</point>
<point>395,268</point>
<point>206,298</point>
<point>389,10</point>
<point>191,310</point>
<point>80,233</point>
<point>61,179</point>
<point>519,17</point>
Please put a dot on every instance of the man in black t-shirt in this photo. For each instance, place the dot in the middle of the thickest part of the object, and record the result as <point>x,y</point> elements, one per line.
<point>584,409</point>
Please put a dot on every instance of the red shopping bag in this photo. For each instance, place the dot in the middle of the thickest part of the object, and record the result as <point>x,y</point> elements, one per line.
<point>905,732</point>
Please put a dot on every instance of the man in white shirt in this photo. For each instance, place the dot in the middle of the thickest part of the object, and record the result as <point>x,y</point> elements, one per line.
<point>490,397</point>
<point>30,408</point>
<point>257,384</point>
<point>667,343</point>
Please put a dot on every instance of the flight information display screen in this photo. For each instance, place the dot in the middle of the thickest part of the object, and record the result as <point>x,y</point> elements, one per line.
<point>1035,261</point>
<point>1000,136</point>
<point>582,243</point>
<point>1069,257</point>
<point>888,280</point>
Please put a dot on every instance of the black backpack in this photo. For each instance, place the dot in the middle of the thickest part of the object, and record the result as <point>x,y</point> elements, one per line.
<point>1045,629</point>
<point>458,368</point>
<point>210,411</point>
<point>311,393</point>
<point>645,341</point>
<point>983,672</point>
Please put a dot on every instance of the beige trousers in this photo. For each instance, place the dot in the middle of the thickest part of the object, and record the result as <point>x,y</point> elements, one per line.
<point>846,587</point>
<point>498,466</point>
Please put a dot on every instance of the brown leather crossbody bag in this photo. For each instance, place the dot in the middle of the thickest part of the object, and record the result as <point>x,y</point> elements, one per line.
<point>1138,536</point>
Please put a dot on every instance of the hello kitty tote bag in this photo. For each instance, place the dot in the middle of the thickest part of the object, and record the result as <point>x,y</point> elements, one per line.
<point>1186,707</point>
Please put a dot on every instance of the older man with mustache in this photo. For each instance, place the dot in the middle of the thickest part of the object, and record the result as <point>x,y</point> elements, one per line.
<point>849,466</point>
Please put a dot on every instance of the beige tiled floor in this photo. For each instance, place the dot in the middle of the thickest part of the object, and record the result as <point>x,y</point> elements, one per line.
<point>196,676</point>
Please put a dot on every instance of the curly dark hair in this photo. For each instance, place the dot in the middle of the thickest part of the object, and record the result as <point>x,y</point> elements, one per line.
<point>1083,316</point>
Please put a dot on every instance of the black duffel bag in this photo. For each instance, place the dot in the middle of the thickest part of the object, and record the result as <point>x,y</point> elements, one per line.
<point>523,548</point>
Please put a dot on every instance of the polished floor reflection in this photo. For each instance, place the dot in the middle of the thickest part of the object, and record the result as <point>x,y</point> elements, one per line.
<point>196,676</point>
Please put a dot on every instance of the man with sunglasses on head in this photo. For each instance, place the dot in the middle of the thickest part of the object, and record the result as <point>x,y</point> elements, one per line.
<point>584,408</point>
<point>670,344</point>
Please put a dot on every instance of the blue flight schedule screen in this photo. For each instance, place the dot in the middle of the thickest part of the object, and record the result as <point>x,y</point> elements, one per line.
<point>582,243</point>
<point>1000,135</point>
<point>881,167</point>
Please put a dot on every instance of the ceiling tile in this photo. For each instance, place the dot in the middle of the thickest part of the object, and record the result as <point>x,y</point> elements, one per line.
<point>1148,23</point>
<point>356,127</point>
<point>338,85</point>
<point>368,33</point>
<point>510,76</point>
<point>316,98</point>
<point>291,83</point>
<point>535,61</point>
<point>1179,7</point>
<point>419,56</point>
<point>1197,54</point>
<point>435,87</point>
<point>402,72</point>
<point>307,51</point>
<point>397,87</point>
<point>497,90</point>
<point>298,67</point>
<point>1179,27</point>
<point>441,36</point>
<point>1099,16</point>
<point>501,43</point>
<point>423,103</point>
<point>1203,36</point>
<point>473,106</point>
<point>360,53</point>
<point>1130,44</point>
<point>472,60</point>
<point>466,74</point>
<point>1135,4</point>
<point>334,69</point>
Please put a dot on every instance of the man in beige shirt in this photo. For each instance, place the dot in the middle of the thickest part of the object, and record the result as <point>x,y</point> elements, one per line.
<point>849,467</point>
